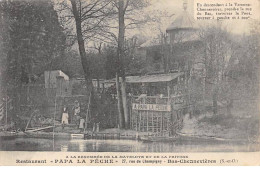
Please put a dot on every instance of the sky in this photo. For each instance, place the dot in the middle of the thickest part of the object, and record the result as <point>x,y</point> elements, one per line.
<point>176,7</point>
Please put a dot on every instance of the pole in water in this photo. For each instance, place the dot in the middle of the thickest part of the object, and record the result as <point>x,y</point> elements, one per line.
<point>6,107</point>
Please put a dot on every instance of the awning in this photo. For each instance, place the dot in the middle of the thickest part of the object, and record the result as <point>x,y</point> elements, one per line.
<point>151,78</point>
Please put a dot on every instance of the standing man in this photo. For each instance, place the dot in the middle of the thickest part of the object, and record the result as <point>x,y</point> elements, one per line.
<point>76,109</point>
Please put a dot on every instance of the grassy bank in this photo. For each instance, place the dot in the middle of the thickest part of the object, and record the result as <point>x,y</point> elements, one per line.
<point>241,124</point>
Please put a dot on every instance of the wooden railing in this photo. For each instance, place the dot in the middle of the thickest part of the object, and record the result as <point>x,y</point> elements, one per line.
<point>176,99</point>
<point>158,122</point>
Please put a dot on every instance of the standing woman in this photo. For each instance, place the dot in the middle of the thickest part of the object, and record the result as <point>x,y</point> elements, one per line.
<point>65,116</point>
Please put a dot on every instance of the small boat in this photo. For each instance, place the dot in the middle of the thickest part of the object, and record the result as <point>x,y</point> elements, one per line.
<point>10,134</point>
<point>158,138</point>
<point>77,136</point>
<point>42,134</point>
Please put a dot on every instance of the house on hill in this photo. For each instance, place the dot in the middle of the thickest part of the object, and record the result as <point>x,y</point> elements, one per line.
<point>158,99</point>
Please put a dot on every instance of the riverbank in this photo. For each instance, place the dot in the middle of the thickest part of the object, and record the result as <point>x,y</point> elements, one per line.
<point>242,125</point>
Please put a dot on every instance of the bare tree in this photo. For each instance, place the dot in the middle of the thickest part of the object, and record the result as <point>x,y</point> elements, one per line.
<point>81,44</point>
<point>95,21</point>
<point>217,48</point>
<point>127,12</point>
<point>90,20</point>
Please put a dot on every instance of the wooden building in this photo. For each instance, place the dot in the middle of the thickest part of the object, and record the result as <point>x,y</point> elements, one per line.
<point>158,104</point>
<point>160,98</point>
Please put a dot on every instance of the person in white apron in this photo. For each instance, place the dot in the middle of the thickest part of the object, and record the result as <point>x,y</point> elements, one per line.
<point>81,124</point>
<point>65,116</point>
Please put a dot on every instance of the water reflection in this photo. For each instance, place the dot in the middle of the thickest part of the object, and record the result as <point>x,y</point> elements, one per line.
<point>39,144</point>
<point>137,146</point>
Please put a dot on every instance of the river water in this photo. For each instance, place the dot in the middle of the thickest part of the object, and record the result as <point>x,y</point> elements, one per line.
<point>77,145</point>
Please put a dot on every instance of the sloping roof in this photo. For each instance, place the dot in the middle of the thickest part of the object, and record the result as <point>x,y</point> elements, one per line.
<point>152,78</point>
<point>50,78</point>
<point>183,21</point>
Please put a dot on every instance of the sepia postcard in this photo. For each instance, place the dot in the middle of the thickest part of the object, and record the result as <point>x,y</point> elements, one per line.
<point>129,82</point>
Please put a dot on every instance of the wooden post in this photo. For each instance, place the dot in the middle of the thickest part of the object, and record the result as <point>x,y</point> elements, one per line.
<point>152,123</point>
<point>168,122</point>
<point>129,108</point>
<point>140,119</point>
<point>147,121</point>
<point>119,103</point>
<point>132,119</point>
<point>103,87</point>
<point>54,116</point>
<point>136,120</point>
<point>168,90</point>
<point>98,85</point>
<point>162,123</point>
<point>157,124</point>
<point>6,112</point>
<point>142,122</point>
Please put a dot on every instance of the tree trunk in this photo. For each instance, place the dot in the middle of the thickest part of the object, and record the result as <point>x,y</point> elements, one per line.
<point>124,99</point>
<point>121,34</point>
<point>230,98</point>
<point>189,95</point>
<point>83,55</point>
<point>82,51</point>
<point>215,100</point>
<point>18,88</point>
<point>119,103</point>
<point>17,100</point>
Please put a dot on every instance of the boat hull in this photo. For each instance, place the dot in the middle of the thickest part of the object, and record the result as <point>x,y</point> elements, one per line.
<point>158,139</point>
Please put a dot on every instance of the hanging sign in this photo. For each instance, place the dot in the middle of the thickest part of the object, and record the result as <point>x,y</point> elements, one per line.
<point>152,107</point>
